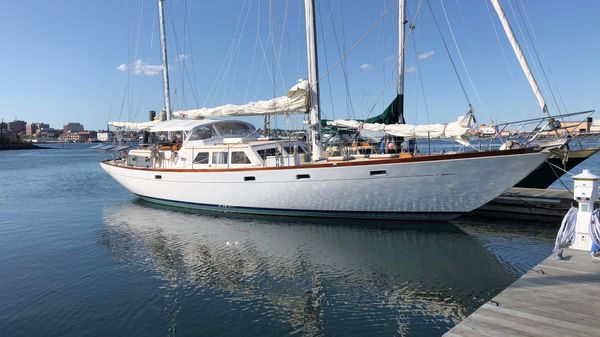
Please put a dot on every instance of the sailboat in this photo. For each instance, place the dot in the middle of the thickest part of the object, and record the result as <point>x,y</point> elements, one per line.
<point>223,165</point>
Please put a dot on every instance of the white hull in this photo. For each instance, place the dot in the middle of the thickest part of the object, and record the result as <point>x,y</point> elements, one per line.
<point>432,190</point>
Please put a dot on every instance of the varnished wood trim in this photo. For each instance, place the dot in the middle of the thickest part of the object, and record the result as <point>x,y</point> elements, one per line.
<point>341,164</point>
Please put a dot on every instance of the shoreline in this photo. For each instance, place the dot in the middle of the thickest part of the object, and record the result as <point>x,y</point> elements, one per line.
<point>20,146</point>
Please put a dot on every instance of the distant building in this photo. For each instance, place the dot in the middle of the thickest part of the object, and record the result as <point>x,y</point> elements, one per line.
<point>485,130</point>
<point>30,129</point>
<point>577,127</point>
<point>49,133</point>
<point>80,137</point>
<point>595,127</point>
<point>35,128</point>
<point>16,127</point>
<point>105,136</point>
<point>72,128</point>
<point>4,129</point>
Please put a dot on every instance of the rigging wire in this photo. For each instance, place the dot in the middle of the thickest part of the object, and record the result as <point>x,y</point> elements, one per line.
<point>477,58</point>
<point>322,39</point>
<point>462,86</point>
<point>508,68</point>
<point>462,60</point>
<point>528,48</point>
<point>223,69</point>
<point>192,80</point>
<point>233,56</point>
<point>537,56</point>
<point>542,54</point>
<point>420,77</point>
<point>251,70</point>
<point>362,37</point>
<point>349,105</point>
<point>239,44</point>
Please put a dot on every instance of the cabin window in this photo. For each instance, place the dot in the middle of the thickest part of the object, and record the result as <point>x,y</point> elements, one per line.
<point>264,153</point>
<point>239,157</point>
<point>302,176</point>
<point>201,158</point>
<point>201,133</point>
<point>250,178</point>
<point>289,150</point>
<point>234,129</point>
<point>219,158</point>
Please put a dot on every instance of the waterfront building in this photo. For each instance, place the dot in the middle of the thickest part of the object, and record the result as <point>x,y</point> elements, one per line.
<point>595,126</point>
<point>105,136</point>
<point>35,128</point>
<point>80,137</point>
<point>16,127</point>
<point>49,133</point>
<point>72,128</point>
<point>577,127</point>
<point>4,129</point>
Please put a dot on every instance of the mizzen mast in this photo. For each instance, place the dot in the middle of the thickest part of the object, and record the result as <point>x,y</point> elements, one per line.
<point>165,65</point>
<point>313,80</point>
<point>400,84</point>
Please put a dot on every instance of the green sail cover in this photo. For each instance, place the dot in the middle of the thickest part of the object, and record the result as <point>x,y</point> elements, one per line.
<point>391,114</point>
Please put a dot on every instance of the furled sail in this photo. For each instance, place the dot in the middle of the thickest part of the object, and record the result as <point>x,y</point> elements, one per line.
<point>295,102</point>
<point>144,126</point>
<point>457,130</point>
<point>139,126</point>
<point>391,115</point>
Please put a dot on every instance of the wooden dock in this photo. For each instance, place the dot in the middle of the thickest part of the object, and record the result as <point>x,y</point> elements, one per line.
<point>530,204</point>
<point>555,298</point>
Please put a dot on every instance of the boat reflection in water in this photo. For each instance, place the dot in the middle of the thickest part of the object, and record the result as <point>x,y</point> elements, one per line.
<point>305,277</point>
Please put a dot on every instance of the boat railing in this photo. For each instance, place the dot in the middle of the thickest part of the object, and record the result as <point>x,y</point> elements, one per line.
<point>530,132</point>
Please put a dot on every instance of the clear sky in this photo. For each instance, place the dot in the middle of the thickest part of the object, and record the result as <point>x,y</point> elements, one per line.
<point>91,61</point>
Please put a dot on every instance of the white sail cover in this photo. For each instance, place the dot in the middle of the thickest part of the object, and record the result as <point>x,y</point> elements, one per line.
<point>133,126</point>
<point>139,126</point>
<point>295,102</point>
<point>456,130</point>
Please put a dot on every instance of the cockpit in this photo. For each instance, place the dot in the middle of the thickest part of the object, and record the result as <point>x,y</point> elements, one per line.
<point>221,131</point>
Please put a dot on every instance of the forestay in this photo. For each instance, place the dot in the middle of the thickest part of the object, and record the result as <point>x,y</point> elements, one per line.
<point>295,102</point>
<point>456,130</point>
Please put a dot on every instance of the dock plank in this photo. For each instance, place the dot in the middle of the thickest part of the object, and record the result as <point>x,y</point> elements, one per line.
<point>560,301</point>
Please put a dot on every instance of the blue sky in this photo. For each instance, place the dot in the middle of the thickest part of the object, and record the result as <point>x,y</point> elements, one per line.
<point>91,61</point>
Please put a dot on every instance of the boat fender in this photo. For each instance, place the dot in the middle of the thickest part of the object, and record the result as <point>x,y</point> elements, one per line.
<point>509,144</point>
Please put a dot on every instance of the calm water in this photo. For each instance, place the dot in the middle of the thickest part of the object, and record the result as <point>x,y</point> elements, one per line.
<point>80,256</point>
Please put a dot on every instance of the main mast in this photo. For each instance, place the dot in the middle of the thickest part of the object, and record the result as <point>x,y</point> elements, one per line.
<point>520,56</point>
<point>400,84</point>
<point>313,80</point>
<point>165,65</point>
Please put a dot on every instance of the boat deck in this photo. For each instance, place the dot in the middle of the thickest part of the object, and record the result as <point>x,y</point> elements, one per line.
<point>555,298</point>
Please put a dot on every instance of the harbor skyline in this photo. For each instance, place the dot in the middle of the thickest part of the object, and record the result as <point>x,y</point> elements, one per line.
<point>94,62</point>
